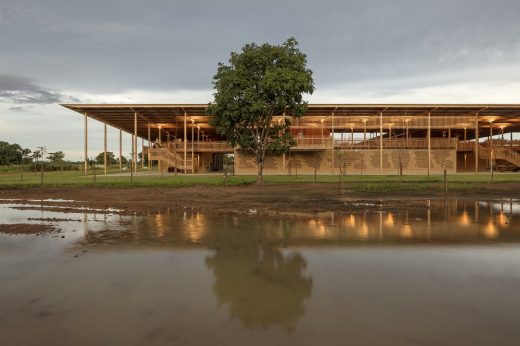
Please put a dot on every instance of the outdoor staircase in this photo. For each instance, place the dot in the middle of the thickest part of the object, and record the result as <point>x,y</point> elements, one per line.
<point>500,153</point>
<point>169,158</point>
<point>505,153</point>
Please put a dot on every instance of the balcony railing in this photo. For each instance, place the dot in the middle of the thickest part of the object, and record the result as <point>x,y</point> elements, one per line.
<point>303,143</point>
<point>397,143</point>
<point>324,143</point>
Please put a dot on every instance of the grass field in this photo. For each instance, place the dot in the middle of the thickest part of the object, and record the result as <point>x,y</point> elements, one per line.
<point>352,182</point>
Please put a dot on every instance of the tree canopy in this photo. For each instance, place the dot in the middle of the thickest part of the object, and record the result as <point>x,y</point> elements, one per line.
<point>259,83</point>
<point>10,154</point>
<point>111,159</point>
<point>57,157</point>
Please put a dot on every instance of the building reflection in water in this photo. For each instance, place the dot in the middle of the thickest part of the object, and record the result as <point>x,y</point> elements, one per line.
<point>464,219</point>
<point>428,221</point>
<point>160,230</point>
<point>260,276</point>
<point>195,227</point>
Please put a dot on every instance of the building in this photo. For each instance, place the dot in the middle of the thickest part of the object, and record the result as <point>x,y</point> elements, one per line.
<point>330,138</point>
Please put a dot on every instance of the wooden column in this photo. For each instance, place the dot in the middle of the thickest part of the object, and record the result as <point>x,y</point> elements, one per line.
<point>476,143</point>
<point>148,153</point>
<point>142,154</point>
<point>192,148</point>
<point>407,131</point>
<point>120,151</point>
<point>135,143</point>
<point>185,144</point>
<point>332,145</point>
<point>429,144</point>
<point>85,143</point>
<point>381,142</point>
<point>491,146</point>
<point>465,154</point>
<point>105,148</point>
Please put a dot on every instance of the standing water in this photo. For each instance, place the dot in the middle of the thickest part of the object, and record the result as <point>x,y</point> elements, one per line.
<point>445,272</point>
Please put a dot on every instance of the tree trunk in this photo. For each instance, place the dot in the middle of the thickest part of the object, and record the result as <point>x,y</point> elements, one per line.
<point>260,164</point>
<point>260,177</point>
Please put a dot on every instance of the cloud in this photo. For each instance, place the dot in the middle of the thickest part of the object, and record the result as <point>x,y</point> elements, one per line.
<point>21,108</point>
<point>22,90</point>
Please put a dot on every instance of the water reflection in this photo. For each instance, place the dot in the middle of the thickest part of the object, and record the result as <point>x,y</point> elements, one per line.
<point>436,221</point>
<point>257,269</point>
<point>261,286</point>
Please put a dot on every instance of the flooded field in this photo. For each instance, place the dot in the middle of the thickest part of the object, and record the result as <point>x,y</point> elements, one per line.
<point>444,272</point>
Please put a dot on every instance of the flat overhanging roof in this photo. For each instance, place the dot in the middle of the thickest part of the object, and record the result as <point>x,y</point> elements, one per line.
<point>169,118</point>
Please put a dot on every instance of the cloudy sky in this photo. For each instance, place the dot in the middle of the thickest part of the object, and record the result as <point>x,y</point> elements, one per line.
<point>128,51</point>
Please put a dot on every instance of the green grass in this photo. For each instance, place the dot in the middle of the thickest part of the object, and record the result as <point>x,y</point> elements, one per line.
<point>365,183</point>
<point>75,178</point>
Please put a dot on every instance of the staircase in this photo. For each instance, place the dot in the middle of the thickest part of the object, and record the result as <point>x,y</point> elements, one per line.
<point>169,158</point>
<point>500,153</point>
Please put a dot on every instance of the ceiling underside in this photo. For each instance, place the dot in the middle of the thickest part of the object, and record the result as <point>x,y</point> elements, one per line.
<point>169,118</point>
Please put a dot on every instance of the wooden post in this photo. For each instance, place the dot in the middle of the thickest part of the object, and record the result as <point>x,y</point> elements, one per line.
<point>192,149</point>
<point>465,154</point>
<point>185,144</point>
<point>407,121</point>
<point>142,154</point>
<point>85,143</point>
<point>120,151</point>
<point>148,153</point>
<point>135,142</point>
<point>476,143</point>
<point>159,162</point>
<point>491,148</point>
<point>332,145</point>
<point>381,142</point>
<point>105,148</point>
<point>429,144</point>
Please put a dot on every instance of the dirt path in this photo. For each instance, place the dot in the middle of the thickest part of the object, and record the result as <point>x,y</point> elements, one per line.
<point>268,199</point>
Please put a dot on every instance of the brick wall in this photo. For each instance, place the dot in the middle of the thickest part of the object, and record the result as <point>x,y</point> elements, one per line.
<point>353,162</point>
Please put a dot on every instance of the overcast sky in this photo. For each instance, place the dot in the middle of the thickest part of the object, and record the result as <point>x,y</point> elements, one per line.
<point>127,51</point>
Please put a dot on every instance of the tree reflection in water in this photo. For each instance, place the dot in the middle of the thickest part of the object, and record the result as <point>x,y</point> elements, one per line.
<point>262,286</point>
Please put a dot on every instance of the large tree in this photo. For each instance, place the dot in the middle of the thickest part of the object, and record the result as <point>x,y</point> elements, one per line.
<point>111,159</point>
<point>259,83</point>
<point>57,158</point>
<point>10,154</point>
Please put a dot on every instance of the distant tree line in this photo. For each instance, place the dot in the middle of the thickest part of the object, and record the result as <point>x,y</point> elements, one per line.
<point>14,157</point>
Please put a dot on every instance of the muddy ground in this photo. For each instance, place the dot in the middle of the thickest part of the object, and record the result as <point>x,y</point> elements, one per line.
<point>267,199</point>
<point>24,228</point>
